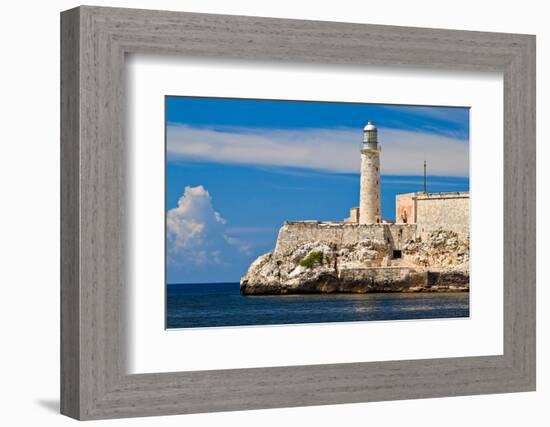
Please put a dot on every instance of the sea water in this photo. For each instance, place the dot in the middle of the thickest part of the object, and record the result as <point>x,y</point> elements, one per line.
<point>221,304</point>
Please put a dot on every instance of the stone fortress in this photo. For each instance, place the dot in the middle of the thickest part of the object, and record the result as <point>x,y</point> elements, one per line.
<point>426,248</point>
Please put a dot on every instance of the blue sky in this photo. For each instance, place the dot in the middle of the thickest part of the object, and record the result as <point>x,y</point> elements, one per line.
<point>236,169</point>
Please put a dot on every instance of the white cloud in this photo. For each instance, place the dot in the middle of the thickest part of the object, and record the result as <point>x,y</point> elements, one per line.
<point>196,232</point>
<point>454,115</point>
<point>335,150</point>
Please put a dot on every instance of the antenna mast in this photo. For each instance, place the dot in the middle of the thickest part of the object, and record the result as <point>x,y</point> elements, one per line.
<point>425,187</point>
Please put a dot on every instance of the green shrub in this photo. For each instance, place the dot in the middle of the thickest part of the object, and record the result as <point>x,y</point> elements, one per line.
<point>310,260</point>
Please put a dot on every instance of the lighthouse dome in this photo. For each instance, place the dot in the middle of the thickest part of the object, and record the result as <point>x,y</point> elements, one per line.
<point>369,126</point>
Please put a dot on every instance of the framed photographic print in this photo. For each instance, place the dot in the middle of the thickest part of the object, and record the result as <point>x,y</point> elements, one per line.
<point>262,213</point>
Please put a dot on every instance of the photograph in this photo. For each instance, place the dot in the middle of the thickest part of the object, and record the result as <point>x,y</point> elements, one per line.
<point>286,212</point>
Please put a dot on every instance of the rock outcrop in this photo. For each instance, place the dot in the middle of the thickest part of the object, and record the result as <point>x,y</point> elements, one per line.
<point>438,263</point>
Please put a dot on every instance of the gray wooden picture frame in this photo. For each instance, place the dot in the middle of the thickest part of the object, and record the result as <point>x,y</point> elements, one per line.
<point>94,381</point>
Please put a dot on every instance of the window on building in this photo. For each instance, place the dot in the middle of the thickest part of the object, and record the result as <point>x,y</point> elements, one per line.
<point>396,254</point>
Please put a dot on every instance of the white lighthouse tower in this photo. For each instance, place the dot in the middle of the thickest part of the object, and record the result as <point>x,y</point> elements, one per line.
<point>369,201</point>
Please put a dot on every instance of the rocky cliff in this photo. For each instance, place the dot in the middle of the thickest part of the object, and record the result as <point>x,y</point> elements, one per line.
<point>439,263</point>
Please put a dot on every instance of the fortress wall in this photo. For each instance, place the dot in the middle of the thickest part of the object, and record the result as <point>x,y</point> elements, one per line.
<point>293,234</point>
<point>400,234</point>
<point>449,211</point>
<point>405,205</point>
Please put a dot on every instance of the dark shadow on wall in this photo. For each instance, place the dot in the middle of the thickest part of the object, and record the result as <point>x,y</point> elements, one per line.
<point>51,405</point>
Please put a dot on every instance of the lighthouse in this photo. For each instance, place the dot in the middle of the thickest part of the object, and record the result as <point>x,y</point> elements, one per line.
<point>369,200</point>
